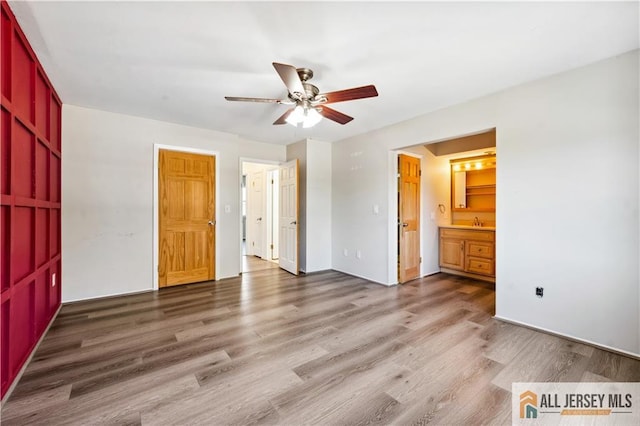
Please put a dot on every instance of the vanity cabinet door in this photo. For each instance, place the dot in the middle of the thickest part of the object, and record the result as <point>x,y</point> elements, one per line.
<point>452,253</point>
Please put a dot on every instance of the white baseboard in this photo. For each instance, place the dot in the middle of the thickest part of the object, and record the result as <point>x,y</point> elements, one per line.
<point>567,336</point>
<point>364,278</point>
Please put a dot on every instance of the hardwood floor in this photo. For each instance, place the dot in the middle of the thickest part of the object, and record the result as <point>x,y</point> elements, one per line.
<point>253,263</point>
<point>272,348</point>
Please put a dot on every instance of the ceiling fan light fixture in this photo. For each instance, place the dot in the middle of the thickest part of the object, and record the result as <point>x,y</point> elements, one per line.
<point>312,117</point>
<point>297,116</point>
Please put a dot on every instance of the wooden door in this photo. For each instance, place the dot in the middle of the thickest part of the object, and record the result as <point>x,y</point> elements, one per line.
<point>186,218</point>
<point>256,214</point>
<point>409,217</point>
<point>288,220</point>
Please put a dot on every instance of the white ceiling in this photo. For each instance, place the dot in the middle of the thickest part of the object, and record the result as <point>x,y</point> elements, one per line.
<point>175,61</point>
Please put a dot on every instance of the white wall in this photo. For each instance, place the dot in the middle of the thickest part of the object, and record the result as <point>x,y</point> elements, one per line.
<point>107,184</point>
<point>360,168</point>
<point>315,203</point>
<point>318,206</point>
<point>567,202</point>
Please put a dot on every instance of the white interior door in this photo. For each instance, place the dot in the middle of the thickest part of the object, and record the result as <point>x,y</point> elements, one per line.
<point>275,196</point>
<point>255,214</point>
<point>272,213</point>
<point>288,217</point>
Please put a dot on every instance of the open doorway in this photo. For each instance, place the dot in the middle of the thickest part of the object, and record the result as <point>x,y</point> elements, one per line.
<point>259,231</point>
<point>457,221</point>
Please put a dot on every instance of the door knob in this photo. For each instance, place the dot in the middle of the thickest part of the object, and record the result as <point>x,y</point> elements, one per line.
<point>294,222</point>
<point>405,224</point>
<point>212,222</point>
<point>259,219</point>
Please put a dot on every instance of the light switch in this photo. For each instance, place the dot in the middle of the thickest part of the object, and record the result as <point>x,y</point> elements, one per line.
<point>433,215</point>
<point>227,208</point>
<point>376,209</point>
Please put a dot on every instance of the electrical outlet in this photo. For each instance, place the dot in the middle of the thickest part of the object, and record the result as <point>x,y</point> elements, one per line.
<point>53,279</point>
<point>539,291</point>
<point>359,254</point>
<point>345,252</point>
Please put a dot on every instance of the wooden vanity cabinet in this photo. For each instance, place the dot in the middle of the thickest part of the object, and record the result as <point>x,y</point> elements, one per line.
<point>468,252</point>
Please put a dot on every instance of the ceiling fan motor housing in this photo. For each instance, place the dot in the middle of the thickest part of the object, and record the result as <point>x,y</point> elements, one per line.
<point>304,74</point>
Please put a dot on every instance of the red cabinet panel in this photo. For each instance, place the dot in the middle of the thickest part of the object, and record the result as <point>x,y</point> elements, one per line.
<point>22,250</point>
<point>54,240</point>
<point>22,149</point>
<point>42,105</point>
<point>55,178</point>
<point>20,326</point>
<point>22,78</point>
<point>56,124</point>
<point>42,171</point>
<point>41,302</point>
<point>5,240</point>
<point>5,54</point>
<point>5,151</point>
<point>5,375</point>
<point>42,237</point>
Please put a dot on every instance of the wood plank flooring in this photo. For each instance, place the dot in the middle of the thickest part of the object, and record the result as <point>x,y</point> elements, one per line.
<point>272,348</point>
<point>254,263</point>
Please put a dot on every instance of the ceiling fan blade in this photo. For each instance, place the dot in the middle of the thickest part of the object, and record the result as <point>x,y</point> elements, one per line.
<point>240,99</point>
<point>283,117</point>
<point>334,115</point>
<point>350,94</point>
<point>291,79</point>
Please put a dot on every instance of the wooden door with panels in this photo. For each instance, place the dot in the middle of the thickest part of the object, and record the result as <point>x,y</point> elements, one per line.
<point>186,218</point>
<point>408,218</point>
<point>288,217</point>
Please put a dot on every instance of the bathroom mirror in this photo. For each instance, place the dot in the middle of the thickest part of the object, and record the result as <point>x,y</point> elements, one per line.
<point>459,190</point>
<point>473,184</point>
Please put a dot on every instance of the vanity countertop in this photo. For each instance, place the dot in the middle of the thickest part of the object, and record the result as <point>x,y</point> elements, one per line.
<point>475,228</point>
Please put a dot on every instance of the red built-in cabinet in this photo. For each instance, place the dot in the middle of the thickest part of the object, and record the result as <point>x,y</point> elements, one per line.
<point>30,165</point>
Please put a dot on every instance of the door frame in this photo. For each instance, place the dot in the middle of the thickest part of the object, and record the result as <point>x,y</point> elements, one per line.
<point>394,236</point>
<point>241,162</point>
<point>156,237</point>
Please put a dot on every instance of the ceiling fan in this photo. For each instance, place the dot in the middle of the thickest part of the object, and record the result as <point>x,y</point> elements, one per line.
<point>308,104</point>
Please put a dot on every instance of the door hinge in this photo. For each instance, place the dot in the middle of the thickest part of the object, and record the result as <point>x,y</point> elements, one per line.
<point>271,246</point>
<point>420,259</point>
<point>420,172</point>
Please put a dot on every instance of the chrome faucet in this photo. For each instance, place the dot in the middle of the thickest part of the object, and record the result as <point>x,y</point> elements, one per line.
<point>476,221</point>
